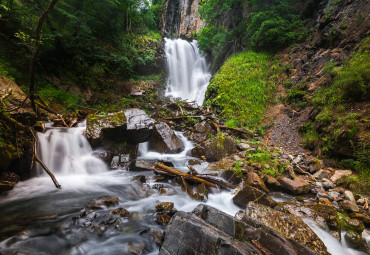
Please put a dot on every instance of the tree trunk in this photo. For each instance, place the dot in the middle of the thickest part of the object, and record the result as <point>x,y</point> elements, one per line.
<point>35,50</point>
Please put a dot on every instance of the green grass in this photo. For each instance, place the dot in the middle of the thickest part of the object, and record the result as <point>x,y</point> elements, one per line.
<point>242,88</point>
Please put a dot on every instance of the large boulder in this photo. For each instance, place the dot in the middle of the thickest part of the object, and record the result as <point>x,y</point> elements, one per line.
<point>209,231</point>
<point>132,125</point>
<point>340,176</point>
<point>290,226</point>
<point>252,194</point>
<point>297,186</point>
<point>215,149</point>
<point>164,139</point>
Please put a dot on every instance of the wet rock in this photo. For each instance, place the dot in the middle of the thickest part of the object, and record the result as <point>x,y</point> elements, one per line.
<point>321,174</point>
<point>349,206</point>
<point>254,180</point>
<point>248,194</point>
<point>365,219</point>
<point>121,212</point>
<point>103,202</point>
<point>290,226</point>
<point>354,240</point>
<point>106,156</point>
<point>202,131</point>
<point>142,165</point>
<point>193,162</point>
<point>349,196</point>
<point>164,139</point>
<point>8,181</point>
<point>355,225</point>
<point>297,186</point>
<point>324,214</point>
<point>215,149</point>
<point>340,176</point>
<point>136,248</point>
<point>132,125</point>
<point>114,164</point>
<point>164,207</point>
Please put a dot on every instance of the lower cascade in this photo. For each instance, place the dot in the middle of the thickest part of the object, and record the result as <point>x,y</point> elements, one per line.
<point>188,75</point>
<point>67,151</point>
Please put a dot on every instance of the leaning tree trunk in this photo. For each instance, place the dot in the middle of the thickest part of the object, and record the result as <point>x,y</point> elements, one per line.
<point>35,50</point>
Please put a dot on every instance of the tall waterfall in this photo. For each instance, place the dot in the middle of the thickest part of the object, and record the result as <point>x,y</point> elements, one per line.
<point>66,151</point>
<point>188,75</point>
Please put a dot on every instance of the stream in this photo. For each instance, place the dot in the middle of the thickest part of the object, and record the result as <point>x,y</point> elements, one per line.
<point>37,218</point>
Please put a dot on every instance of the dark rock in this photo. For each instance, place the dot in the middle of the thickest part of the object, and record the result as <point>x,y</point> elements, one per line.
<point>8,181</point>
<point>164,139</point>
<point>365,219</point>
<point>164,207</point>
<point>121,212</point>
<point>142,165</point>
<point>209,231</point>
<point>354,240</point>
<point>193,162</point>
<point>297,186</point>
<point>291,226</point>
<point>106,156</point>
<point>248,194</point>
<point>103,202</point>
<point>231,176</point>
<point>271,182</point>
<point>254,180</point>
<point>132,125</point>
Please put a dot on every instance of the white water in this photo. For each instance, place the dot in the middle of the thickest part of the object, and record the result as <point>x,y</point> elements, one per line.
<point>66,151</point>
<point>188,75</point>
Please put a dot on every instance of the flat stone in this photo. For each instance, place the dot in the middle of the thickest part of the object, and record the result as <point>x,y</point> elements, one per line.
<point>340,175</point>
<point>297,186</point>
<point>142,165</point>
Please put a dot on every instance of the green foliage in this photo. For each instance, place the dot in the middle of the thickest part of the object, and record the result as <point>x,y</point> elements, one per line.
<point>242,89</point>
<point>268,26</point>
<point>238,169</point>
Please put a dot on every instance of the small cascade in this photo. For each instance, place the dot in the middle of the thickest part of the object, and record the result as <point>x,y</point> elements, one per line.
<point>66,151</point>
<point>188,75</point>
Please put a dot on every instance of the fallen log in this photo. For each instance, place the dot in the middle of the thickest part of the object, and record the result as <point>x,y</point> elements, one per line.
<point>216,126</point>
<point>37,159</point>
<point>189,177</point>
<point>216,181</point>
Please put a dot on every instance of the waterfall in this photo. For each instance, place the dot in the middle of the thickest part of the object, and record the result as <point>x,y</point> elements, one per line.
<point>66,151</point>
<point>188,75</point>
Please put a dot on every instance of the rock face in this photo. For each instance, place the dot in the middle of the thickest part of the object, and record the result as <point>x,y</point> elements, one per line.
<point>132,125</point>
<point>209,231</point>
<point>291,226</point>
<point>181,18</point>
<point>164,139</point>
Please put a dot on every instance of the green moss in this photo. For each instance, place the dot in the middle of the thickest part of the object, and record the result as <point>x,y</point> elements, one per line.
<point>242,88</point>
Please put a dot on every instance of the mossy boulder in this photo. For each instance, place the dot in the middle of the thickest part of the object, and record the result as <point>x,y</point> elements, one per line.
<point>289,225</point>
<point>216,148</point>
<point>131,125</point>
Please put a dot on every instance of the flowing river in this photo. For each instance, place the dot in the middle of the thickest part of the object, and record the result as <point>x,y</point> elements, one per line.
<point>39,219</point>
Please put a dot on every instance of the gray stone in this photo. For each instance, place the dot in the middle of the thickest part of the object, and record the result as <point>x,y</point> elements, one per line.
<point>164,139</point>
<point>349,196</point>
<point>321,174</point>
<point>115,162</point>
<point>340,175</point>
<point>349,206</point>
<point>327,184</point>
<point>243,146</point>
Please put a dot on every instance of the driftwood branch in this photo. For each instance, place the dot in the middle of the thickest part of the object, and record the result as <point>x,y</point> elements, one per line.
<point>37,159</point>
<point>175,172</point>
